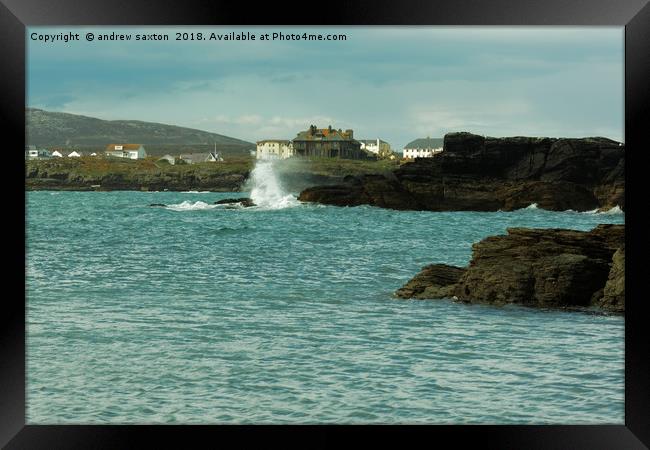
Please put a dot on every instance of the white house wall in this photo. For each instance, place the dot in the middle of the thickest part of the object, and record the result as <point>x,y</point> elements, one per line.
<point>274,150</point>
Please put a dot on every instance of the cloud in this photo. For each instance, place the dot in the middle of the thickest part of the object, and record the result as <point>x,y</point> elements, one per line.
<point>397,83</point>
<point>258,127</point>
<point>251,119</point>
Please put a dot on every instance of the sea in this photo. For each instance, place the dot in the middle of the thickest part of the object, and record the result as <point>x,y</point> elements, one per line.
<point>283,313</point>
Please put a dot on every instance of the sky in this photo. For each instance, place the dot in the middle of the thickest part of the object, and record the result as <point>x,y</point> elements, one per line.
<point>395,83</point>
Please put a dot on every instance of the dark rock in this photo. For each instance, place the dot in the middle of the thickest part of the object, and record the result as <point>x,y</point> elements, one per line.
<point>453,194</point>
<point>558,196</point>
<point>613,295</point>
<point>586,161</point>
<point>434,281</point>
<point>376,190</point>
<point>338,195</point>
<point>243,201</point>
<point>352,180</point>
<point>158,204</point>
<point>610,195</point>
<point>551,267</point>
<point>487,174</point>
<point>535,267</point>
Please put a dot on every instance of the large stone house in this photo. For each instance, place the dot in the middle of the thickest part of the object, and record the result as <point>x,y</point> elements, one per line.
<point>328,143</point>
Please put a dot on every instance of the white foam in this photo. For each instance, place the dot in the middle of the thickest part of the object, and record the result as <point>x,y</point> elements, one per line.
<point>266,190</point>
<point>610,212</point>
<point>615,210</point>
<point>532,206</point>
<point>195,192</point>
<point>189,206</point>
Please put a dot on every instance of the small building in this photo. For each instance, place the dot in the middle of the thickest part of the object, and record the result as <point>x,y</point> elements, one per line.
<point>32,152</point>
<point>423,148</point>
<point>274,149</point>
<point>169,158</point>
<point>195,158</point>
<point>131,151</point>
<point>74,154</point>
<point>376,146</point>
<point>57,154</point>
<point>328,143</point>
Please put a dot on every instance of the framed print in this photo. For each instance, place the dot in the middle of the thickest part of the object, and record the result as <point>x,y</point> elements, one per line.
<point>237,221</point>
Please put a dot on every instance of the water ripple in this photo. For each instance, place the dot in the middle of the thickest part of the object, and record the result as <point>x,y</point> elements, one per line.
<point>214,315</point>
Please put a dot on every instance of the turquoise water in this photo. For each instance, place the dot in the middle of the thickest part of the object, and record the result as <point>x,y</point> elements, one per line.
<point>212,315</point>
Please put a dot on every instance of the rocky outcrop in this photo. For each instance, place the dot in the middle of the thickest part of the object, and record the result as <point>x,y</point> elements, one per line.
<point>613,298</point>
<point>85,174</point>
<point>488,174</point>
<point>40,178</point>
<point>434,281</point>
<point>243,201</point>
<point>536,267</point>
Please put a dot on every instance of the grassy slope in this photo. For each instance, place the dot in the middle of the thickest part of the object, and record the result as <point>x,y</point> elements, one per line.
<point>340,167</point>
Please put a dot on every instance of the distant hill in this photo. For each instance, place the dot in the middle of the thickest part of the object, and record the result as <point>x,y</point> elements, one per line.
<point>62,130</point>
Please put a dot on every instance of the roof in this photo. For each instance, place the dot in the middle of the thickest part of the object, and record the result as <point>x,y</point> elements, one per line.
<point>323,134</point>
<point>372,141</point>
<point>111,147</point>
<point>426,143</point>
<point>281,141</point>
<point>198,157</point>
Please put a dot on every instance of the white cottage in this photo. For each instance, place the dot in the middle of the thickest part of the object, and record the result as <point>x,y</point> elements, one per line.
<point>57,154</point>
<point>31,152</point>
<point>74,154</point>
<point>131,151</point>
<point>423,148</point>
<point>375,146</point>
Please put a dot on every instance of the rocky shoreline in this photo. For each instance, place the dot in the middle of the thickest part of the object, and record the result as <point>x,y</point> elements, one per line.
<point>547,268</point>
<point>232,185</point>
<point>488,174</point>
<point>40,177</point>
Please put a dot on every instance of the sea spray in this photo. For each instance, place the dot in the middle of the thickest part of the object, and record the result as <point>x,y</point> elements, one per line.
<point>266,189</point>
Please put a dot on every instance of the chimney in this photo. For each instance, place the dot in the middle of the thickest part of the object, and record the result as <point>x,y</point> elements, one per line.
<point>349,133</point>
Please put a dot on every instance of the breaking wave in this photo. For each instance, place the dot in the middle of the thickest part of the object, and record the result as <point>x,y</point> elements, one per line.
<point>191,206</point>
<point>266,190</point>
<point>610,212</point>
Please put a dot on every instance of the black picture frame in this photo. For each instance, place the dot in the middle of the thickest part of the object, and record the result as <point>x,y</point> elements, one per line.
<point>15,15</point>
